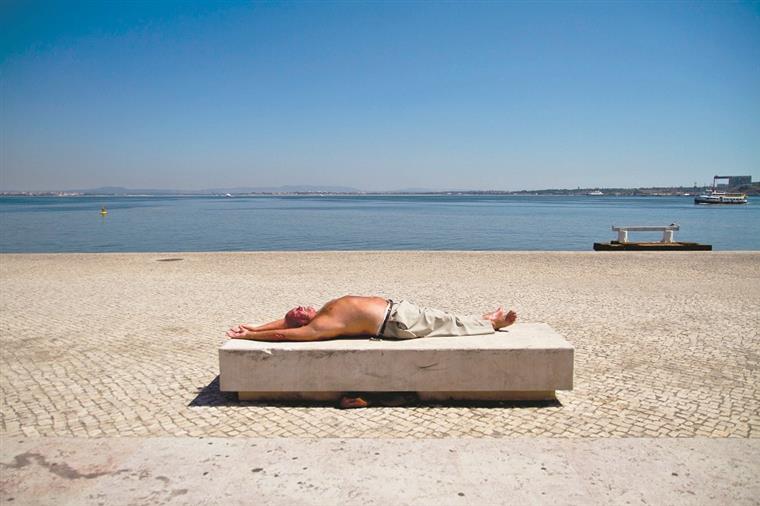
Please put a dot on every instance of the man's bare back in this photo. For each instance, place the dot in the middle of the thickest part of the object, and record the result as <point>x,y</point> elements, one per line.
<point>346,316</point>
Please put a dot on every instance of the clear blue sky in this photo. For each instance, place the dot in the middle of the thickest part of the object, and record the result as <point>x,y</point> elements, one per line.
<point>378,96</point>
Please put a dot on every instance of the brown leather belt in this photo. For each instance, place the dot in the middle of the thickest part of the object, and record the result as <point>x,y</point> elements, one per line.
<point>385,320</point>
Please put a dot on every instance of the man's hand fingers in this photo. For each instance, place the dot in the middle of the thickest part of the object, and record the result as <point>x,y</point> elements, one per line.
<point>233,333</point>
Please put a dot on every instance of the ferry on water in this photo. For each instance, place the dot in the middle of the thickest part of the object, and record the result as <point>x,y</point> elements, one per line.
<point>713,196</point>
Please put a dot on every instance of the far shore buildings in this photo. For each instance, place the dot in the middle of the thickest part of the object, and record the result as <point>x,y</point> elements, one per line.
<point>734,181</point>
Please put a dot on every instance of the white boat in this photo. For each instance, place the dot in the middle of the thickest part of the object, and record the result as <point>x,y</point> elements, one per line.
<point>715,197</point>
<point>595,193</point>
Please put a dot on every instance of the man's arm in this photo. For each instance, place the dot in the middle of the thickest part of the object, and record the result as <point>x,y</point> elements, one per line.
<point>277,324</point>
<point>306,333</point>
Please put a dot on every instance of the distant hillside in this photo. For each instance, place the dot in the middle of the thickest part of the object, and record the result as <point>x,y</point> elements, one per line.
<point>120,190</point>
<point>414,190</point>
<point>286,189</point>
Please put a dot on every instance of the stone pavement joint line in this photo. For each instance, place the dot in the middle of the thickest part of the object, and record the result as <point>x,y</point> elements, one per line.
<point>99,345</point>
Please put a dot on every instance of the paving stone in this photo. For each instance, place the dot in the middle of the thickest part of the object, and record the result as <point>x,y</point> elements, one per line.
<point>128,345</point>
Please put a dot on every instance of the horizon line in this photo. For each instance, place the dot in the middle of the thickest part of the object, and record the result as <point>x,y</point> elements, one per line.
<point>306,189</point>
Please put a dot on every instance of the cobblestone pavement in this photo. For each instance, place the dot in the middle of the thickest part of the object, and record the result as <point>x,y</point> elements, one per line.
<point>667,345</point>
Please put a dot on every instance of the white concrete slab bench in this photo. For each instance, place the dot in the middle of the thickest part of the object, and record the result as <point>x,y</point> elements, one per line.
<point>667,231</point>
<point>528,361</point>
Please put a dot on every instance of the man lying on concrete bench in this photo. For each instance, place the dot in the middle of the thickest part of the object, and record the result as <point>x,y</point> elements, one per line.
<point>371,316</point>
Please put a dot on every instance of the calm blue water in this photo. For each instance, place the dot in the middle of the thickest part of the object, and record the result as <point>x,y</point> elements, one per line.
<point>73,224</point>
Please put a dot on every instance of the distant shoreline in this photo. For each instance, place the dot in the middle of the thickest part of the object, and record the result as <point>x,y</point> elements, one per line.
<point>580,192</point>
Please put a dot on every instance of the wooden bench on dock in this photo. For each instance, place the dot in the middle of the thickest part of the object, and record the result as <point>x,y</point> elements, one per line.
<point>667,243</point>
<point>528,361</point>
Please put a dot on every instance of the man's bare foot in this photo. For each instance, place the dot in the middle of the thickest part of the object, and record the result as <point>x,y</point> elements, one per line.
<point>500,318</point>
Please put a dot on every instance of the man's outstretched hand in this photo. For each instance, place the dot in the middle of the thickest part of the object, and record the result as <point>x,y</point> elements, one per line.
<point>237,332</point>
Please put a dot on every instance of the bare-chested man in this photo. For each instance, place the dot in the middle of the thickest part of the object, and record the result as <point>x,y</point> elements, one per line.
<point>371,316</point>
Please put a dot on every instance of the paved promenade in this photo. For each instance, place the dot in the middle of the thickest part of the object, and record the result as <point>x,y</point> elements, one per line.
<point>435,472</point>
<point>667,345</point>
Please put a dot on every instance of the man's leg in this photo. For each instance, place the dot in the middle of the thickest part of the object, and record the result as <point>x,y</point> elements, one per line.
<point>435,323</point>
<point>443,323</point>
<point>409,321</point>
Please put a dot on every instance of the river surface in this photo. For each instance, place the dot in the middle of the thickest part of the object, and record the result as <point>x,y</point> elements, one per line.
<point>371,222</point>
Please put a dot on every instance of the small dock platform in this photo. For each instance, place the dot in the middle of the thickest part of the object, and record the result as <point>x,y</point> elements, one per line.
<point>667,243</point>
<point>651,246</point>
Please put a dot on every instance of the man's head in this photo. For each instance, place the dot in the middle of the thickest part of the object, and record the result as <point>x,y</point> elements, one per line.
<point>299,316</point>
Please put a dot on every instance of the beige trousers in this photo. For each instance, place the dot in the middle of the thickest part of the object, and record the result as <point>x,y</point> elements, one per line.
<point>408,321</point>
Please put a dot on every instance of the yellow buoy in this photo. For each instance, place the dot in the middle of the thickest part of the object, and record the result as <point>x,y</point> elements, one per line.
<point>103,211</point>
